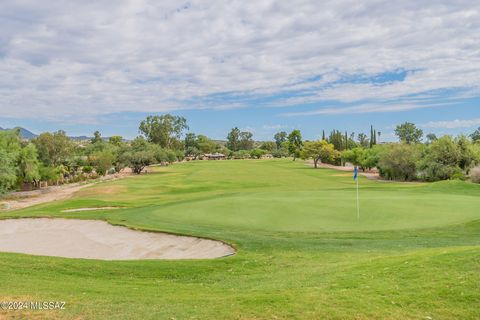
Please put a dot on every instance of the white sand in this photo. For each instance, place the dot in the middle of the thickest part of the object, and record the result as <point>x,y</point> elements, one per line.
<point>91,239</point>
<point>91,209</point>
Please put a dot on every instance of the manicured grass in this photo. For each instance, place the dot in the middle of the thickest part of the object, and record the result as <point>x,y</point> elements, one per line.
<point>302,253</point>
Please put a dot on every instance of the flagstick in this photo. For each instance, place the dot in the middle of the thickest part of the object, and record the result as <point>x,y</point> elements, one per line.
<point>358,203</point>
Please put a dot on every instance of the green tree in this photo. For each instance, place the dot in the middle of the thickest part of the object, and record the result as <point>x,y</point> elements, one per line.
<point>370,158</point>
<point>205,144</point>
<point>440,160</point>
<point>97,137</point>
<point>164,130</point>
<point>399,162</point>
<point>10,141</point>
<point>372,136</point>
<point>191,145</point>
<point>53,148</point>
<point>246,141</point>
<point>319,150</point>
<point>257,153</point>
<point>337,139</point>
<point>363,140</point>
<point>431,137</point>
<point>476,135</point>
<point>294,143</point>
<point>469,153</point>
<point>103,161</point>
<point>140,144</point>
<point>50,174</point>
<point>116,141</point>
<point>138,160</point>
<point>408,133</point>
<point>269,146</point>
<point>8,175</point>
<point>233,139</point>
<point>280,137</point>
<point>190,140</point>
<point>27,164</point>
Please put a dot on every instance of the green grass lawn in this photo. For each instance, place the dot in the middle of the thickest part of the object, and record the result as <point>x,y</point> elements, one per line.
<point>302,253</point>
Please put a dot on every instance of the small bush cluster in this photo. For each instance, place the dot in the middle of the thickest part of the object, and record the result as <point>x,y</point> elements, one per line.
<point>475,174</point>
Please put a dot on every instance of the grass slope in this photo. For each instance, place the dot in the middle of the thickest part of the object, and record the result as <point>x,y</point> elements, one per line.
<point>414,254</point>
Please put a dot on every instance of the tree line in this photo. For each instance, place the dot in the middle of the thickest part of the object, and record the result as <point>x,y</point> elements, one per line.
<point>437,158</point>
<point>55,158</point>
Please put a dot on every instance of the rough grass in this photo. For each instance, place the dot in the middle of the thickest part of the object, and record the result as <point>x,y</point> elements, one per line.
<point>414,253</point>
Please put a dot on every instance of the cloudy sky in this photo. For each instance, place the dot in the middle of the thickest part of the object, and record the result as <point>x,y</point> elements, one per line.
<point>260,65</point>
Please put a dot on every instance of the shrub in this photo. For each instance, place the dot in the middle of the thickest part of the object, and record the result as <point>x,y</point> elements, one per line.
<point>241,154</point>
<point>257,153</point>
<point>87,169</point>
<point>475,175</point>
<point>440,161</point>
<point>458,176</point>
<point>49,174</point>
<point>7,171</point>
<point>179,155</point>
<point>280,153</point>
<point>398,162</point>
<point>138,160</point>
<point>103,162</point>
<point>171,156</point>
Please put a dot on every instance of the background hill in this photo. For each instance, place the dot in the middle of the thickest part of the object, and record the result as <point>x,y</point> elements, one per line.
<point>24,133</point>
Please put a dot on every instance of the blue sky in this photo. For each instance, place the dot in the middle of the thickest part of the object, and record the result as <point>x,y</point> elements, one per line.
<point>263,66</point>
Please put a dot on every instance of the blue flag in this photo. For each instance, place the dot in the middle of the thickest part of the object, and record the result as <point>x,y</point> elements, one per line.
<point>355,173</point>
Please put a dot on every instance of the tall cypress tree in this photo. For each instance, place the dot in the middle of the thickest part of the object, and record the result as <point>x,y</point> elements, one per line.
<point>323,134</point>
<point>371,136</point>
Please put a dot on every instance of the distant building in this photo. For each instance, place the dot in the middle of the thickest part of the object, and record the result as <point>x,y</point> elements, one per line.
<point>214,156</point>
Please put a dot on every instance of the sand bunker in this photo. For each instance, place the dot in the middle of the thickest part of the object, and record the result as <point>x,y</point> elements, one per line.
<point>90,239</point>
<point>91,209</point>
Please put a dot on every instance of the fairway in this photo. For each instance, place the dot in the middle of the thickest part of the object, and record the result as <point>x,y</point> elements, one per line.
<point>301,251</point>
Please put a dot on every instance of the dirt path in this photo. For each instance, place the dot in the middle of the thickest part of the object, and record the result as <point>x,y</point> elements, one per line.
<point>24,199</point>
<point>372,175</point>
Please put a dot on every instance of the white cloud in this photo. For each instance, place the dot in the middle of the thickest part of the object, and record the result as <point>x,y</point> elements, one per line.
<point>363,108</point>
<point>275,126</point>
<point>452,124</point>
<point>87,58</point>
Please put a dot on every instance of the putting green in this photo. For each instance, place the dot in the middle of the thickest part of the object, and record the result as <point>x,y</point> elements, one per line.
<point>302,253</point>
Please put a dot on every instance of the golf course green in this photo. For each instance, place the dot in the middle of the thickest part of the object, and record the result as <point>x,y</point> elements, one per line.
<point>414,253</point>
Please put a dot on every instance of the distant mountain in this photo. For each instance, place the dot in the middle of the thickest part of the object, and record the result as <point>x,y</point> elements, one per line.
<point>86,138</point>
<point>80,138</point>
<point>24,133</point>
<point>27,134</point>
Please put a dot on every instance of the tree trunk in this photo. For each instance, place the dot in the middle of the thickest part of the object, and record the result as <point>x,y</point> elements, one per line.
<point>315,163</point>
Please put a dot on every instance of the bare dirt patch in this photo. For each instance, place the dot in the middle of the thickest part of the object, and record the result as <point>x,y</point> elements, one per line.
<point>24,199</point>
<point>103,190</point>
<point>93,239</point>
<point>372,175</point>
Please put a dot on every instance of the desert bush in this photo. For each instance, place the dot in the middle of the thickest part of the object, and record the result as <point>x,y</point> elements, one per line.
<point>440,160</point>
<point>138,160</point>
<point>257,153</point>
<point>399,162</point>
<point>87,169</point>
<point>103,161</point>
<point>475,175</point>
<point>458,176</point>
